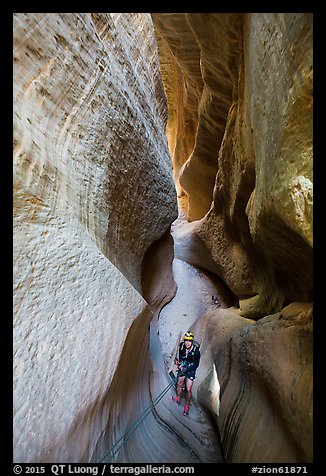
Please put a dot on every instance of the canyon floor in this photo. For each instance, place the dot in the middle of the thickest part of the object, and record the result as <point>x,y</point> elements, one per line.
<point>198,293</point>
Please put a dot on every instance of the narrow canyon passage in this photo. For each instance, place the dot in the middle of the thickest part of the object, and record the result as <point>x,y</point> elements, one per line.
<point>195,294</point>
<point>164,435</point>
<point>198,292</point>
<point>162,182</point>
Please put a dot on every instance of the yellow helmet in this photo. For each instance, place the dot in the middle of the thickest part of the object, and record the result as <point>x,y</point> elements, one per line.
<point>188,336</point>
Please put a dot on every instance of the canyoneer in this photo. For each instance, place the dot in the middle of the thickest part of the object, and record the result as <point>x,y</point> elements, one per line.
<point>187,363</point>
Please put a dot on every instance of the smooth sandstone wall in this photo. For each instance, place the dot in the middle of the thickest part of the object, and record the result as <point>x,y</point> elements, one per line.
<point>255,231</point>
<point>93,189</point>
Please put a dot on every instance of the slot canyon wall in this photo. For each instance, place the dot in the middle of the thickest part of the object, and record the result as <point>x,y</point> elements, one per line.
<point>91,171</point>
<point>243,84</point>
<point>94,198</point>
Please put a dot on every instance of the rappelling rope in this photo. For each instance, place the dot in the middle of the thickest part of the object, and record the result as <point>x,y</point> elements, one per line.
<point>122,440</point>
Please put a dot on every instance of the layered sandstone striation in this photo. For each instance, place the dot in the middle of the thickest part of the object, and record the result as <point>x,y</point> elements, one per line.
<point>263,372</point>
<point>251,159</point>
<point>94,199</point>
<point>199,86</point>
<point>83,110</point>
<point>93,189</point>
<point>247,180</point>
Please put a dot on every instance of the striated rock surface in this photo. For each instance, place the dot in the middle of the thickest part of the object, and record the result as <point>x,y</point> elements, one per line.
<point>264,375</point>
<point>93,189</point>
<point>72,312</point>
<point>94,267</point>
<point>83,111</point>
<point>199,95</point>
<point>279,351</point>
<point>260,211</point>
<point>280,207</point>
<point>251,221</point>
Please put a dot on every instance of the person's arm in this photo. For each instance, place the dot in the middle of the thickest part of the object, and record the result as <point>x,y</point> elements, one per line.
<point>183,363</point>
<point>177,359</point>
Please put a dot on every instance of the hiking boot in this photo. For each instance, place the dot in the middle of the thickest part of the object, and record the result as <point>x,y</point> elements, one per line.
<point>176,400</point>
<point>186,410</point>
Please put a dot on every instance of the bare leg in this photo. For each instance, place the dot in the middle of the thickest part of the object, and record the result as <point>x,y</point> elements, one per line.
<point>189,384</point>
<point>179,386</point>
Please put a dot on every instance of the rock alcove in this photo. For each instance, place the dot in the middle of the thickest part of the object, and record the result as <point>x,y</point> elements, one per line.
<point>162,181</point>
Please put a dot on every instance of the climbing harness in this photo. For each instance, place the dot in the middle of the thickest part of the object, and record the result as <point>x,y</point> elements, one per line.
<point>123,439</point>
